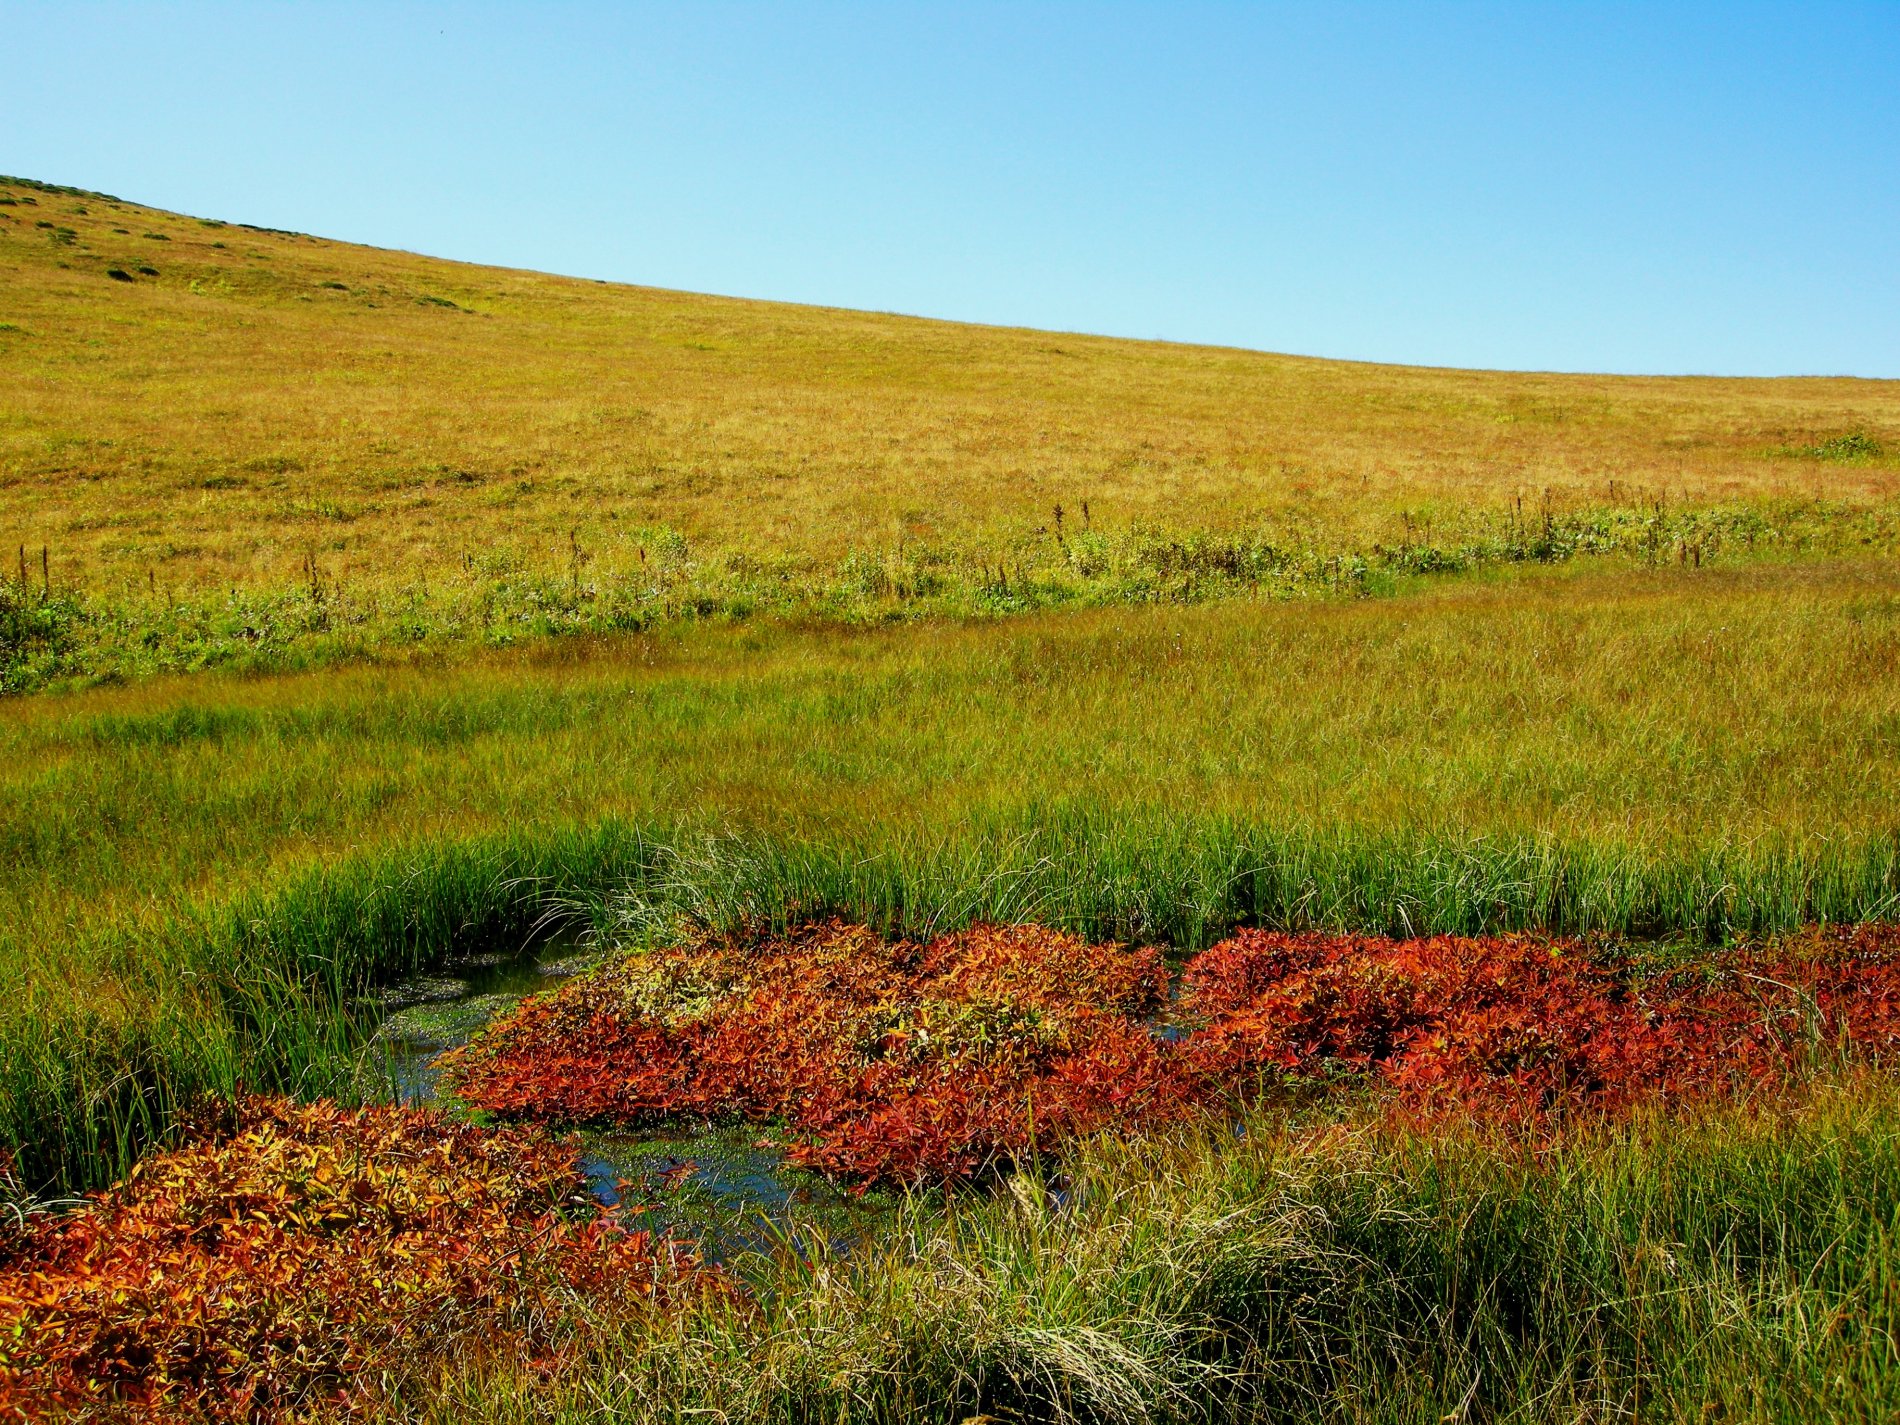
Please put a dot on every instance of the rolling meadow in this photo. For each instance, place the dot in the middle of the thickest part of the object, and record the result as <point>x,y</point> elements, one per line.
<point>373,612</point>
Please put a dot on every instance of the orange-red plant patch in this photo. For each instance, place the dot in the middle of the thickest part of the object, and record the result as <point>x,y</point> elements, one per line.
<point>905,1062</point>
<point>280,1264</point>
<point>889,1061</point>
<point>1529,1024</point>
<point>286,1260</point>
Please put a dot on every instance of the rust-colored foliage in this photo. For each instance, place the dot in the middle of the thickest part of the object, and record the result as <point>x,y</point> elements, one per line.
<point>900,1062</point>
<point>1529,1024</point>
<point>291,1256</point>
<point>890,1061</point>
<point>280,1263</point>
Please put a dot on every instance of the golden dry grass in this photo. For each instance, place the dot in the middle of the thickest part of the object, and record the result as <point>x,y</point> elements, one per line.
<point>267,394</point>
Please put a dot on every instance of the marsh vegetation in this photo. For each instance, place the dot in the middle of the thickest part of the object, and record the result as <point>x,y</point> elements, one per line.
<point>372,612</point>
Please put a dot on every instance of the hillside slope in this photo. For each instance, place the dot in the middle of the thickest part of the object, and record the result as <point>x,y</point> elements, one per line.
<point>194,410</point>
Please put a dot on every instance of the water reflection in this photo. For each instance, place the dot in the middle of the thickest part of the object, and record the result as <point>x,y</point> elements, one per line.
<point>728,1187</point>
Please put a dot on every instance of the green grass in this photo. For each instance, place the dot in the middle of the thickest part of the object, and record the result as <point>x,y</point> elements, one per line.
<point>63,637</point>
<point>201,876</point>
<point>1736,1265</point>
<point>1679,708</point>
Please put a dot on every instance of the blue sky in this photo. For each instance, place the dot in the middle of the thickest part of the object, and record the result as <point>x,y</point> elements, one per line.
<point>1692,188</point>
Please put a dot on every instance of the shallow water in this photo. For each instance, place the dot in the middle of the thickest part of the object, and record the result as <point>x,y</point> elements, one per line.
<point>433,1013</point>
<point>727,1186</point>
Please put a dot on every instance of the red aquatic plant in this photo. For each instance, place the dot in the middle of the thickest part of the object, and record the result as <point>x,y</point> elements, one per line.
<point>275,1265</point>
<point>892,1061</point>
<point>281,1264</point>
<point>1529,1023</point>
<point>900,1062</point>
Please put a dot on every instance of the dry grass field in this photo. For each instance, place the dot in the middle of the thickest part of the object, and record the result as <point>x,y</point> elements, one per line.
<point>238,399</point>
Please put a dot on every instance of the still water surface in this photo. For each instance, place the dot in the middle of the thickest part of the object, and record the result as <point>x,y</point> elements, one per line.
<point>728,1187</point>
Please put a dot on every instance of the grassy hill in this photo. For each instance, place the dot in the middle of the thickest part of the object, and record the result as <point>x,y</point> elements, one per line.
<point>236,446</point>
<point>925,624</point>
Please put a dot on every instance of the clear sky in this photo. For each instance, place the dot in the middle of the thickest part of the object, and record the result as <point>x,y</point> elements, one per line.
<point>1650,187</point>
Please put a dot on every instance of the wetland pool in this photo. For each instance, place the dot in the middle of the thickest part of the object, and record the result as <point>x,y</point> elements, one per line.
<point>725,1186</point>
